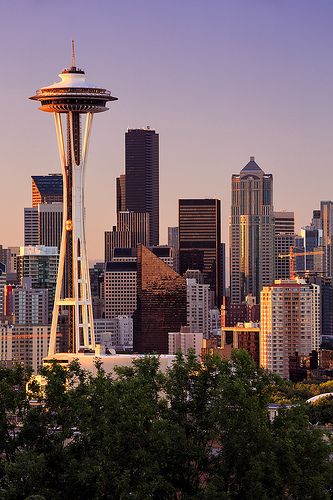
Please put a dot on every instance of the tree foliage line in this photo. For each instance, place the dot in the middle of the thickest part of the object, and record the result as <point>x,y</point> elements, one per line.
<point>199,431</point>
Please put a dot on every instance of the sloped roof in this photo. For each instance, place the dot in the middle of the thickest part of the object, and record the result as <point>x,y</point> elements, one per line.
<point>252,166</point>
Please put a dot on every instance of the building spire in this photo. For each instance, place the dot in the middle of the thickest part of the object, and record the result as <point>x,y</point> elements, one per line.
<point>73,54</point>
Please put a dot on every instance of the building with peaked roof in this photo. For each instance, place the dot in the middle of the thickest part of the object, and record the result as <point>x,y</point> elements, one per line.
<point>251,232</point>
<point>161,303</point>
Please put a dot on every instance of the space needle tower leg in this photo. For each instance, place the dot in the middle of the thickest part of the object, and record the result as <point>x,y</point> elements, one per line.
<point>76,98</point>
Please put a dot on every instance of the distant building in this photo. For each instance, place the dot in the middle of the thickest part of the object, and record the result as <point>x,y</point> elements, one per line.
<point>247,312</point>
<point>284,222</point>
<point>251,232</point>
<point>121,193</point>
<point>184,341</point>
<point>200,241</point>
<point>173,241</point>
<point>43,225</point>
<point>326,215</point>
<point>198,307</point>
<point>26,344</point>
<point>46,189</point>
<point>120,288</point>
<point>30,305</point>
<point>115,333</point>
<point>290,323</point>
<point>132,228</point>
<point>40,263</point>
<point>161,303</point>
<point>3,278</point>
<point>142,176</point>
<point>243,336</point>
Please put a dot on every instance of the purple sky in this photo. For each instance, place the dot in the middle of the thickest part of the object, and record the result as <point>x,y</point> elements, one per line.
<point>219,80</point>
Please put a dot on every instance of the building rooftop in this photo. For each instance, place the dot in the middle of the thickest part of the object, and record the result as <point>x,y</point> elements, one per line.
<point>252,166</point>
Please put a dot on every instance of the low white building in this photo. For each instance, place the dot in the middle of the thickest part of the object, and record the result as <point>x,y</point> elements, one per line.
<point>185,340</point>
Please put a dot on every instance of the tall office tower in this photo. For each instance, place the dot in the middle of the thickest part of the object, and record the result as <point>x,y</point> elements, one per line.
<point>198,307</point>
<point>43,225</point>
<point>76,98</point>
<point>120,289</point>
<point>39,263</point>
<point>326,213</point>
<point>173,241</point>
<point>284,222</point>
<point>161,303</point>
<point>30,305</point>
<point>121,193</point>
<point>46,189</point>
<point>200,241</point>
<point>251,232</point>
<point>142,176</point>
<point>290,323</point>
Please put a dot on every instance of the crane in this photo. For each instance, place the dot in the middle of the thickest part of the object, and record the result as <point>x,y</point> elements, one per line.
<point>292,256</point>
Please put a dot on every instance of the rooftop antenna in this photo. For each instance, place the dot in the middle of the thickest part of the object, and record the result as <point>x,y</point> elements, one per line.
<point>73,54</point>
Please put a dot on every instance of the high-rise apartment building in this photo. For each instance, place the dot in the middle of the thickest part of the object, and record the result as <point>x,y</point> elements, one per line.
<point>161,303</point>
<point>251,232</point>
<point>200,241</point>
<point>46,189</point>
<point>290,323</point>
<point>142,176</point>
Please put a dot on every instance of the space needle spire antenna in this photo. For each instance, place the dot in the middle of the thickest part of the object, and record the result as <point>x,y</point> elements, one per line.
<point>78,100</point>
<point>73,54</point>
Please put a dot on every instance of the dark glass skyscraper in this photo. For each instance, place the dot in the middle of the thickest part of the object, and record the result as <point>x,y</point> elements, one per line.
<point>142,176</point>
<point>200,241</point>
<point>46,189</point>
<point>161,303</point>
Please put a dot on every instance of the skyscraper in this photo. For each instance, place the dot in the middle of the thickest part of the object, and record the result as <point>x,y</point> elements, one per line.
<point>142,176</point>
<point>74,97</point>
<point>251,232</point>
<point>161,303</point>
<point>46,189</point>
<point>200,241</point>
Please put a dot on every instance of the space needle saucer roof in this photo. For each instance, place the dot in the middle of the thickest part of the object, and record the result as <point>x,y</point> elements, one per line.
<point>73,93</point>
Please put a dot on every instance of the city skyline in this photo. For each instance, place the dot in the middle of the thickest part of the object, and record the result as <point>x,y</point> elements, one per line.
<point>219,82</point>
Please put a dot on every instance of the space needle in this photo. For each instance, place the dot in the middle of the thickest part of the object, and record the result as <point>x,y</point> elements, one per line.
<point>78,100</point>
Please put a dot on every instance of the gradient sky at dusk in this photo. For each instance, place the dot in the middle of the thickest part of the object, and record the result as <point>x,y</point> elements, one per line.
<point>220,80</point>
